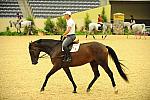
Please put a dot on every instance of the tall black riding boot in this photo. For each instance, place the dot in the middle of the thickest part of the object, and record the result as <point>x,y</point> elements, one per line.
<point>67,55</point>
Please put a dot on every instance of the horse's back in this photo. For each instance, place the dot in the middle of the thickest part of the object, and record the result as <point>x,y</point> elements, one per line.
<point>138,27</point>
<point>88,52</point>
<point>93,26</point>
<point>93,43</point>
<point>126,24</point>
<point>94,47</point>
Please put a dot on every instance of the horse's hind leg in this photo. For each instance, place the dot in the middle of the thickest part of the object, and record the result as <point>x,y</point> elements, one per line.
<point>144,35</point>
<point>94,34</point>
<point>67,70</point>
<point>110,74</point>
<point>94,66</point>
<point>94,37</point>
<point>86,35</point>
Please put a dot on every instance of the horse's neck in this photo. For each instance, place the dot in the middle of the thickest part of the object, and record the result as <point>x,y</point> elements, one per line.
<point>127,24</point>
<point>49,47</point>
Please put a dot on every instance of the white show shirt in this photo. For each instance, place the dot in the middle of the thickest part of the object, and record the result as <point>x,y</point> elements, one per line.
<point>71,23</point>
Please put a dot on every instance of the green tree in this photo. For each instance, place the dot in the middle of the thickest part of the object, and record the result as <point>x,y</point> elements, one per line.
<point>87,21</point>
<point>32,28</point>
<point>49,25</point>
<point>61,24</point>
<point>29,18</point>
<point>103,15</point>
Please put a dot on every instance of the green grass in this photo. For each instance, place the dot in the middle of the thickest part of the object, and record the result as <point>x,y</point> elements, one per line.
<point>8,33</point>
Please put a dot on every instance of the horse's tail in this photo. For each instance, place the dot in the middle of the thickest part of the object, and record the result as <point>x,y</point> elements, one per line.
<point>143,28</point>
<point>117,63</point>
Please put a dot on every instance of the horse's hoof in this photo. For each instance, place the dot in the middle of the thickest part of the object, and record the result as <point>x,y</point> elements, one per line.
<point>115,90</point>
<point>42,89</point>
<point>74,92</point>
<point>88,90</point>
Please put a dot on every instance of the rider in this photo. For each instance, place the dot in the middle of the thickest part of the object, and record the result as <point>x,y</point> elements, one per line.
<point>100,21</point>
<point>132,21</point>
<point>69,35</point>
<point>19,20</point>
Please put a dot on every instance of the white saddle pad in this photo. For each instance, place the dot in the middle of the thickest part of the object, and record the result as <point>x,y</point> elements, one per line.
<point>74,48</point>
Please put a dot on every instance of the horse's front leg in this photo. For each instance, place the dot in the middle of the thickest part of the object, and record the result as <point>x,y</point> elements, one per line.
<point>52,71</point>
<point>17,30</point>
<point>67,70</point>
<point>87,33</point>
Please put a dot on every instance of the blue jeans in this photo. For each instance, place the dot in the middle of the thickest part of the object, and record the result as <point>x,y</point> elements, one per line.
<point>68,40</point>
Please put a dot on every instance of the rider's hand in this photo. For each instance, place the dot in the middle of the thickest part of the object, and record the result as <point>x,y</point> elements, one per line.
<point>65,35</point>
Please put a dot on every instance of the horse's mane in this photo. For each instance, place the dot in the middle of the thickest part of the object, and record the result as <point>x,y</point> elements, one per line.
<point>48,42</point>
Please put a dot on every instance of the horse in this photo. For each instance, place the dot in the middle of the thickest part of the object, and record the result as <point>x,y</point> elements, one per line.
<point>22,24</point>
<point>93,27</point>
<point>126,24</point>
<point>136,29</point>
<point>94,53</point>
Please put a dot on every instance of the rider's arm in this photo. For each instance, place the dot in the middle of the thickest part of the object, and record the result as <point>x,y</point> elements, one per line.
<point>67,31</point>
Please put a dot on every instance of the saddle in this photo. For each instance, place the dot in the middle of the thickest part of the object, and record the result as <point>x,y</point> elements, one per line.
<point>74,46</point>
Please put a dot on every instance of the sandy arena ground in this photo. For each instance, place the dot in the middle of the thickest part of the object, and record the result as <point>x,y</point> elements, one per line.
<point>20,80</point>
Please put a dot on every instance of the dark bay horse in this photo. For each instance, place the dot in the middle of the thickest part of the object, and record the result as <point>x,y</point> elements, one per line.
<point>92,52</point>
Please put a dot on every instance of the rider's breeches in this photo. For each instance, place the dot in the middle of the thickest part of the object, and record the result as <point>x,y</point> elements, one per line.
<point>69,39</point>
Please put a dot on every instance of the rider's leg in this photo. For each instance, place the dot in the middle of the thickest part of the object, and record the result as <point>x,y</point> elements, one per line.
<point>65,45</point>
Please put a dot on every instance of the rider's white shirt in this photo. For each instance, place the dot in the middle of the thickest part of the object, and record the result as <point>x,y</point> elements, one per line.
<point>71,23</point>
